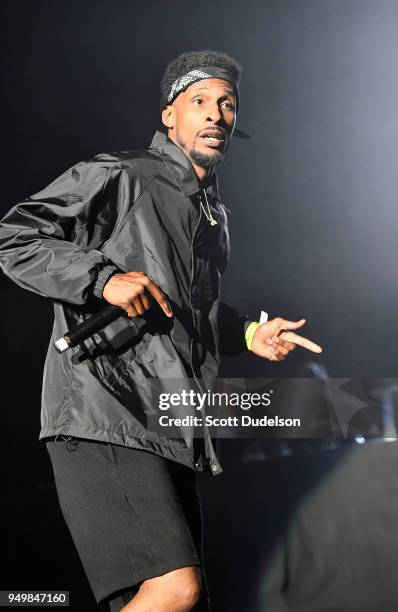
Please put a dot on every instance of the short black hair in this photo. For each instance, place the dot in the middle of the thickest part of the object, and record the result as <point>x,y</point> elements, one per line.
<point>190,60</point>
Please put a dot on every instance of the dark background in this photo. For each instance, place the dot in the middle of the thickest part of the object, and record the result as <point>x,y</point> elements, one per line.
<point>312,194</point>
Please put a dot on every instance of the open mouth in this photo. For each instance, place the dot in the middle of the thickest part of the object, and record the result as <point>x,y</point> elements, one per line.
<point>213,141</point>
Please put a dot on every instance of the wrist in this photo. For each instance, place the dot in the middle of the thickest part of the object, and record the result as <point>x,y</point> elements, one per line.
<point>103,277</point>
<point>249,333</point>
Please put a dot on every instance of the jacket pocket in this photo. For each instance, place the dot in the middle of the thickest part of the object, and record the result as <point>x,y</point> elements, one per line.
<point>111,349</point>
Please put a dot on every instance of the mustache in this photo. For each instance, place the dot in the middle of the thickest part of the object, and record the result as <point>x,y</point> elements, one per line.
<point>215,130</point>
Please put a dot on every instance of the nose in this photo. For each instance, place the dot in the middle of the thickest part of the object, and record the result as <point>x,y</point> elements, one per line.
<point>214,113</point>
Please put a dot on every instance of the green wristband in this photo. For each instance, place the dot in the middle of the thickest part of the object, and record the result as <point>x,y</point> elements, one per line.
<point>250,333</point>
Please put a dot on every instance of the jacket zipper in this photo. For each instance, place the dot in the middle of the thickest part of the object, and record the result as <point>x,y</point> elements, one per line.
<point>212,459</point>
<point>190,293</point>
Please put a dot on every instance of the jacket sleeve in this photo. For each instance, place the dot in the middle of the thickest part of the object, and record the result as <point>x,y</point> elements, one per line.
<point>48,241</point>
<point>232,326</point>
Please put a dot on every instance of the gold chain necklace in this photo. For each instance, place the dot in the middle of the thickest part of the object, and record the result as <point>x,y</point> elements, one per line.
<point>208,214</point>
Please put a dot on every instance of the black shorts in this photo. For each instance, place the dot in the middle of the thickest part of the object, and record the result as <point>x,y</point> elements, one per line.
<point>132,514</point>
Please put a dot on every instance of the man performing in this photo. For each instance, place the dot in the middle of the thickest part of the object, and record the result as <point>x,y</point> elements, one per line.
<point>146,231</point>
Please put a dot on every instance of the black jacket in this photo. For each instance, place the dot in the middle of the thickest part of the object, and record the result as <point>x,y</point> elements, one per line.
<point>134,210</point>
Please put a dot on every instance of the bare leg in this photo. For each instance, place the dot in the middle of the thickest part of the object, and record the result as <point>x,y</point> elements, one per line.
<point>176,591</point>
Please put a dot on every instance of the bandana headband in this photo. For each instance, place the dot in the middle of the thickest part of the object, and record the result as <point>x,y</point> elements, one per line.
<point>206,72</point>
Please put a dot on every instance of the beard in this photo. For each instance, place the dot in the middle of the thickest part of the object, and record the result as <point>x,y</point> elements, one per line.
<point>206,161</point>
<point>202,159</point>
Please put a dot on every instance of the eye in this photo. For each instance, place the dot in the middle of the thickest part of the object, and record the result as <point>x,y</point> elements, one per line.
<point>229,105</point>
<point>198,100</point>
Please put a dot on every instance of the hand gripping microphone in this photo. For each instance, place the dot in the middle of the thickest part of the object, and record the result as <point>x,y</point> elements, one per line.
<point>90,326</point>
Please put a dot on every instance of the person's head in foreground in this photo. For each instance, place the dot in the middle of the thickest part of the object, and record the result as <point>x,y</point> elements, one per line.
<point>199,104</point>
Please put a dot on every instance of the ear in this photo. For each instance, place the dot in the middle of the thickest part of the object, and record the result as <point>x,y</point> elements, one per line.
<point>168,116</point>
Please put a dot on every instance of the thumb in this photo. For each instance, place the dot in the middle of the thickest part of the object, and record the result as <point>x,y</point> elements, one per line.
<point>291,324</point>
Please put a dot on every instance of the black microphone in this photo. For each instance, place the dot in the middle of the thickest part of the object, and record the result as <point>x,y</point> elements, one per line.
<point>88,327</point>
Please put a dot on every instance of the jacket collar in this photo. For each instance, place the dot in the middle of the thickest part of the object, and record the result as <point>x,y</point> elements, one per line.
<point>180,166</point>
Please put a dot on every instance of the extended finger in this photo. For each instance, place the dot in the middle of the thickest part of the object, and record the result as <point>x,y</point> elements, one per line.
<point>159,297</point>
<point>290,346</point>
<point>301,341</point>
<point>140,278</point>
